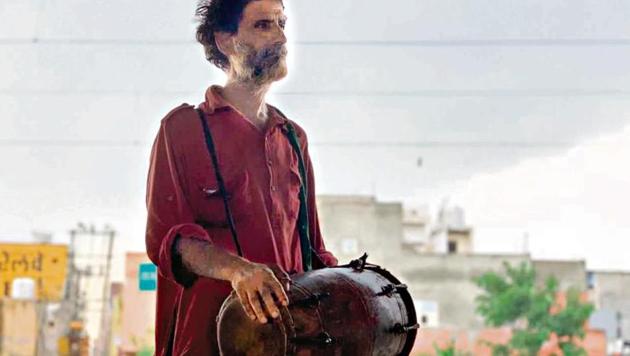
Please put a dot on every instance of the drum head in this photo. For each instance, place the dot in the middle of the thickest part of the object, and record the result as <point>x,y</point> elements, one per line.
<point>239,335</point>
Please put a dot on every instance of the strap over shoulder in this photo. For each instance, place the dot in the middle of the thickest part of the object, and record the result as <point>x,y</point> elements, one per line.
<point>303,224</point>
<point>223,191</point>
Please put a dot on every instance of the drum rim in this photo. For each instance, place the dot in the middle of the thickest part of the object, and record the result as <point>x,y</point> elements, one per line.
<point>407,300</point>
<point>235,303</point>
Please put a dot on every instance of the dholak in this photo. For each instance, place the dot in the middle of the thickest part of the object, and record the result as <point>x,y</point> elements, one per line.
<point>355,309</point>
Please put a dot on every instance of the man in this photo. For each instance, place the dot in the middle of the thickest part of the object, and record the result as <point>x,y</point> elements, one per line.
<point>188,234</point>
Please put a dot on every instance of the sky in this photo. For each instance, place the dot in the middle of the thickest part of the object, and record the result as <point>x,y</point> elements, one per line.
<point>519,112</point>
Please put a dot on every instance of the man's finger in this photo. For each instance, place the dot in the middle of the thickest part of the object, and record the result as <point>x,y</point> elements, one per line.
<point>242,296</point>
<point>282,276</point>
<point>270,304</point>
<point>254,301</point>
<point>277,289</point>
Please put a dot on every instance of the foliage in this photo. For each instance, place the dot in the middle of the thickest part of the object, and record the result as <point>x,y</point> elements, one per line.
<point>146,351</point>
<point>141,345</point>
<point>449,350</point>
<point>514,300</point>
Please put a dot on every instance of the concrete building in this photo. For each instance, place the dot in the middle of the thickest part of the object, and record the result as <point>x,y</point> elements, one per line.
<point>610,292</point>
<point>448,234</point>
<point>416,225</point>
<point>354,224</point>
<point>435,259</point>
<point>19,326</point>
<point>569,273</point>
<point>446,283</point>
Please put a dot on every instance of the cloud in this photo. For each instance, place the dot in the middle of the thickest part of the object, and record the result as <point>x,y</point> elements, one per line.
<point>573,205</point>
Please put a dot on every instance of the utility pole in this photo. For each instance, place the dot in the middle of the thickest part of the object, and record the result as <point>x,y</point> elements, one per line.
<point>105,333</point>
<point>88,263</point>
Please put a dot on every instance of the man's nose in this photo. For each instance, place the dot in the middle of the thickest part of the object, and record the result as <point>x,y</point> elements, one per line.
<point>280,36</point>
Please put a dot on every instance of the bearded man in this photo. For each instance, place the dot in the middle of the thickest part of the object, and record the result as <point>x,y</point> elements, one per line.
<point>190,235</point>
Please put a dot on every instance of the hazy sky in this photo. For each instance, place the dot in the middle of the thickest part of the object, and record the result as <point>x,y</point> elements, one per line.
<point>518,110</point>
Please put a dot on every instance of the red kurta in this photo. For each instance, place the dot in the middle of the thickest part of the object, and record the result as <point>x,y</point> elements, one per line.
<point>260,170</point>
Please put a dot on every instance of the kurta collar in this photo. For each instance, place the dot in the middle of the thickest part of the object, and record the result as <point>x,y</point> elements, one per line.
<point>216,102</point>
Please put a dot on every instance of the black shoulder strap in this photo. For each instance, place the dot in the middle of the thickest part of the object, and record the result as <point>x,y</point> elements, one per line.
<point>303,226</point>
<point>215,162</point>
<point>311,255</point>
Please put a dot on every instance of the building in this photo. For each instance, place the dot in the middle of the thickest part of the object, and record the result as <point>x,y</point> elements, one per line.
<point>354,224</point>
<point>138,310</point>
<point>610,291</point>
<point>435,259</point>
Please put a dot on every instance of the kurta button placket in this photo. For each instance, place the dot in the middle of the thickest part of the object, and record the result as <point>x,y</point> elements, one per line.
<point>271,177</point>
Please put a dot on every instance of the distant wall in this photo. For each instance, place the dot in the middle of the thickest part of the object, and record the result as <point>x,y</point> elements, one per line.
<point>447,279</point>
<point>570,274</point>
<point>352,225</point>
<point>612,292</point>
<point>138,315</point>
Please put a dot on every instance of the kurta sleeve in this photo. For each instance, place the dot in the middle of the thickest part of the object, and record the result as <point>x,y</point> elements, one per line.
<point>169,215</point>
<point>315,233</point>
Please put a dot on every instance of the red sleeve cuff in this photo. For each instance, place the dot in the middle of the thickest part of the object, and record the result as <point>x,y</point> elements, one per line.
<point>169,265</point>
<point>327,259</point>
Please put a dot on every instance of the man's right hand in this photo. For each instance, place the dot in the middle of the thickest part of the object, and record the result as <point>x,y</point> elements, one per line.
<point>259,290</point>
<point>255,284</point>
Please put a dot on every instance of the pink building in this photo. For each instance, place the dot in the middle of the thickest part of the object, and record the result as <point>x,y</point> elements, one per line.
<point>138,310</point>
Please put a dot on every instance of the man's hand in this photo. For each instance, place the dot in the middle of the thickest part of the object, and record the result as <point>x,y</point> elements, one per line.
<point>255,284</point>
<point>258,290</point>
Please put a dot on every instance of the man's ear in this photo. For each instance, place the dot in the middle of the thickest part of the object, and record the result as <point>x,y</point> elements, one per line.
<point>224,42</point>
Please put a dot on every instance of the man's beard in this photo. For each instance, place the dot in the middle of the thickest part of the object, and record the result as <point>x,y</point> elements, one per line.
<point>260,67</point>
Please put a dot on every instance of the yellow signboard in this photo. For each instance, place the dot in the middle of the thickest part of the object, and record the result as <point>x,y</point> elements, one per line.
<point>46,264</point>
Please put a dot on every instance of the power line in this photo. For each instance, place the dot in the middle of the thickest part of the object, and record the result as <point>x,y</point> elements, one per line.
<point>470,144</point>
<point>409,144</point>
<point>428,93</point>
<point>94,41</point>
<point>501,42</point>
<point>449,93</point>
<point>477,43</point>
<point>71,143</point>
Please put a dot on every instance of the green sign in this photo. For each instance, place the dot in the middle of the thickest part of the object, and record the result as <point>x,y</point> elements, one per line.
<point>147,277</point>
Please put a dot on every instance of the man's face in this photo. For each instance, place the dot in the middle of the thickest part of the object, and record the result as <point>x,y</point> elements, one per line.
<point>259,45</point>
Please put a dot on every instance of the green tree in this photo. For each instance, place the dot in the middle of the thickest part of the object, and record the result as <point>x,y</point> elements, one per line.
<point>513,299</point>
<point>449,350</point>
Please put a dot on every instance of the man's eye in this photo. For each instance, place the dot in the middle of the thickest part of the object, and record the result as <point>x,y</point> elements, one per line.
<point>283,24</point>
<point>262,25</point>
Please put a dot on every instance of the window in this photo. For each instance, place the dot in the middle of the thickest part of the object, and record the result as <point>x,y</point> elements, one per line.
<point>427,311</point>
<point>590,280</point>
<point>452,247</point>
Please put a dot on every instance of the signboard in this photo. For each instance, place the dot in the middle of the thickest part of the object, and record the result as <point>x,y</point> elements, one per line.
<point>46,264</point>
<point>147,277</point>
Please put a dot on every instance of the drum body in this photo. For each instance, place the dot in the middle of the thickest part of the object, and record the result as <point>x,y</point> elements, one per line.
<point>358,309</point>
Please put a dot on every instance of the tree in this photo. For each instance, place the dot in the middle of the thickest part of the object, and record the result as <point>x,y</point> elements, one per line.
<point>449,350</point>
<point>514,300</point>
